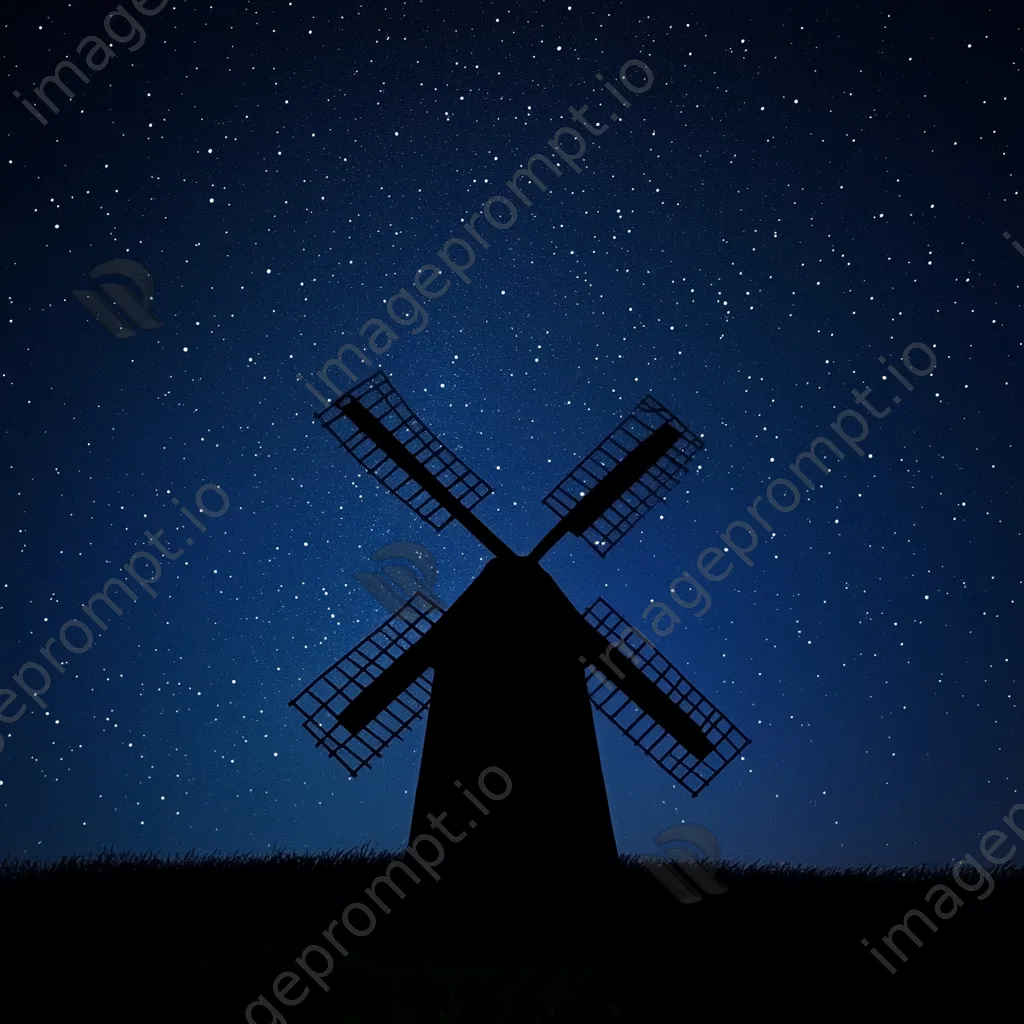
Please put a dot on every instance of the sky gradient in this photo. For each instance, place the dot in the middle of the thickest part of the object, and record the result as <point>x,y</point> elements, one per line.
<point>799,193</point>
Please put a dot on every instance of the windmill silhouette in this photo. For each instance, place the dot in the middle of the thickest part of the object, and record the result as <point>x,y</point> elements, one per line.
<point>510,671</point>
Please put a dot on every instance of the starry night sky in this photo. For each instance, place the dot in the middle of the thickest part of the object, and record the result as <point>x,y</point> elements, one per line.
<point>798,193</point>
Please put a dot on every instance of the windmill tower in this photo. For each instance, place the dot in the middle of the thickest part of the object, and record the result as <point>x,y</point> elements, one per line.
<point>510,671</point>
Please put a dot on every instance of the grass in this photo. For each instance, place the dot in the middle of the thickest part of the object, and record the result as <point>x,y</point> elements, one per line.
<point>201,937</point>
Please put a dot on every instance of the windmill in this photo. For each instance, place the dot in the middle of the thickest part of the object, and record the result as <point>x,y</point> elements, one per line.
<point>510,671</point>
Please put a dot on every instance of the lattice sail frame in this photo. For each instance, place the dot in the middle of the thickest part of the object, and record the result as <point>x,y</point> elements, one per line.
<point>333,690</point>
<point>636,725</point>
<point>639,499</point>
<point>382,400</point>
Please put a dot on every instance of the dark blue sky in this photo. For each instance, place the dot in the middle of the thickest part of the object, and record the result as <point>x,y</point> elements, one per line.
<point>799,192</point>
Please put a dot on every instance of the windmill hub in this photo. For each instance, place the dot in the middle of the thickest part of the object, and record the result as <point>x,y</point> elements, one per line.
<point>509,592</point>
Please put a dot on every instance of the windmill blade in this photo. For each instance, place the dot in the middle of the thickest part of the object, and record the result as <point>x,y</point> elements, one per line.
<point>376,691</point>
<point>627,702</point>
<point>622,479</point>
<point>637,689</point>
<point>375,424</point>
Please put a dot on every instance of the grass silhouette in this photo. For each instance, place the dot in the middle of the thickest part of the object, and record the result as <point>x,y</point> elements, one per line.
<point>143,938</point>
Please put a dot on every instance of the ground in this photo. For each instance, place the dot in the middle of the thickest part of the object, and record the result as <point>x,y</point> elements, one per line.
<point>201,939</point>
